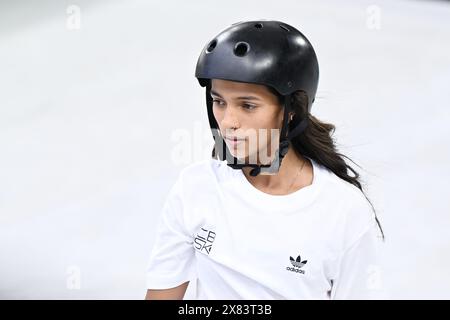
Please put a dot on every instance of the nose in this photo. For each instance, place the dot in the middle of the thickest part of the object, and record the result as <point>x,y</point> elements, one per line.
<point>230,119</point>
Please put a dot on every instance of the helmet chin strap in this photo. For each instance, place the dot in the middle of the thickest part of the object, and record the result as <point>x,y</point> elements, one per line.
<point>285,137</point>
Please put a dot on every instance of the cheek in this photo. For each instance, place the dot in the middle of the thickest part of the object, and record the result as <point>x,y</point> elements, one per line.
<point>279,119</point>
<point>267,120</point>
<point>218,115</point>
<point>272,123</point>
<point>261,129</point>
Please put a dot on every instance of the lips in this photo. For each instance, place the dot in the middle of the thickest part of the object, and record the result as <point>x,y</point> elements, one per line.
<point>234,139</point>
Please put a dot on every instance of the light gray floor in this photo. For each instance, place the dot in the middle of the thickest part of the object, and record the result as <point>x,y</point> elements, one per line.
<point>91,120</point>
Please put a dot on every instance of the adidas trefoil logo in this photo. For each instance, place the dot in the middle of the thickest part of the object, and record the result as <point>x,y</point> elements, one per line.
<point>297,263</point>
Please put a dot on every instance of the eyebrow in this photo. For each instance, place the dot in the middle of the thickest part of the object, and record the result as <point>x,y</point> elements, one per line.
<point>242,98</point>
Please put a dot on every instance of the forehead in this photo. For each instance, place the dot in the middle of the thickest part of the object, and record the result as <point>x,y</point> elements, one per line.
<point>235,89</point>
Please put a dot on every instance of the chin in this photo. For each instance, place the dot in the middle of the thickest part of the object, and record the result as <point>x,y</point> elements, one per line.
<point>245,157</point>
<point>238,155</point>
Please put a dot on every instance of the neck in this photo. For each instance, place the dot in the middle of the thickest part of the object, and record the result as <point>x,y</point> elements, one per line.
<point>281,181</point>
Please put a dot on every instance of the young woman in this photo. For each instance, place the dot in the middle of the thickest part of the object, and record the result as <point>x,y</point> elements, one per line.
<point>274,213</point>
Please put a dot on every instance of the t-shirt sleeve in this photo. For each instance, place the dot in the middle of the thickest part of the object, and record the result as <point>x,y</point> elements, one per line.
<point>359,275</point>
<point>172,259</point>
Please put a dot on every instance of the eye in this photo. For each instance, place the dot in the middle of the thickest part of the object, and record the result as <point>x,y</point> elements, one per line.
<point>249,106</point>
<point>217,101</point>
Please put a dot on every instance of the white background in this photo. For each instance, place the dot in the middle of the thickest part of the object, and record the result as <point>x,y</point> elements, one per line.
<point>91,120</point>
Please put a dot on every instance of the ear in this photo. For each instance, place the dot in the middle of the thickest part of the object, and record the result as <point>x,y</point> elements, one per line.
<point>291,115</point>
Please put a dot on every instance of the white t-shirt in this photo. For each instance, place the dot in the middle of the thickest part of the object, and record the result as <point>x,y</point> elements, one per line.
<point>238,242</point>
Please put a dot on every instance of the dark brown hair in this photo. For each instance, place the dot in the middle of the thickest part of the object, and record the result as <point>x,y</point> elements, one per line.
<point>317,142</point>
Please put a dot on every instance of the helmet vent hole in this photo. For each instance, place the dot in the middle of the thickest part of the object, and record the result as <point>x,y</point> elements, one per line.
<point>211,46</point>
<point>258,25</point>
<point>241,49</point>
<point>285,28</point>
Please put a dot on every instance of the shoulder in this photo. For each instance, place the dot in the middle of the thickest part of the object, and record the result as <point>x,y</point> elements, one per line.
<point>199,175</point>
<point>353,214</point>
<point>197,190</point>
<point>205,168</point>
<point>341,188</point>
